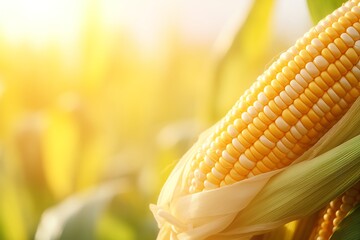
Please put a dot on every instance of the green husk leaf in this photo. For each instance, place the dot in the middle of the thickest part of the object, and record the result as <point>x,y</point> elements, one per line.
<point>301,190</point>
<point>349,227</point>
<point>321,8</point>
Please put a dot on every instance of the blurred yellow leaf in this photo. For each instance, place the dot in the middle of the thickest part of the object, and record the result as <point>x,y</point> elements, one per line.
<point>61,146</point>
<point>12,224</point>
<point>93,162</point>
<point>250,50</point>
<point>96,49</point>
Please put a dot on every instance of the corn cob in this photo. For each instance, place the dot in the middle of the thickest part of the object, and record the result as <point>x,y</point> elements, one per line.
<point>334,212</point>
<point>289,108</point>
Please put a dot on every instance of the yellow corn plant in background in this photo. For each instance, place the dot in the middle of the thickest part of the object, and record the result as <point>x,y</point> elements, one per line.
<point>295,116</point>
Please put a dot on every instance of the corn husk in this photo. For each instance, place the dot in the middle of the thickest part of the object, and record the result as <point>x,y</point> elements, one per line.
<point>266,201</point>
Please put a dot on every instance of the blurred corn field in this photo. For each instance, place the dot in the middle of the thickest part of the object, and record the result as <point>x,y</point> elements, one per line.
<point>99,99</point>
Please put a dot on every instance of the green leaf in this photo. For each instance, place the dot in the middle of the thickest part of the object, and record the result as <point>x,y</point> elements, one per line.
<point>77,216</point>
<point>321,8</point>
<point>349,227</point>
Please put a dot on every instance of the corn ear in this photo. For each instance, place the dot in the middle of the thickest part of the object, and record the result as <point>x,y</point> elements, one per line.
<point>288,109</point>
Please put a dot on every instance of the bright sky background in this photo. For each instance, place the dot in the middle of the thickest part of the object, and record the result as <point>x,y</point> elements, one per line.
<point>40,19</point>
<point>146,20</point>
